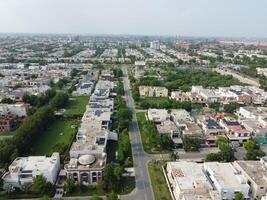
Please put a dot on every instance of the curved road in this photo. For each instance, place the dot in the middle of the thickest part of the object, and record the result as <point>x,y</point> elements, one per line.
<point>143,190</point>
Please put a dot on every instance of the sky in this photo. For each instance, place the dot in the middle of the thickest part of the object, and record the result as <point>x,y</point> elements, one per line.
<point>223,18</point>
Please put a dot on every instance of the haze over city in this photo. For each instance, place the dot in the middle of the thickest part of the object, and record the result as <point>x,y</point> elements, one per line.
<point>133,99</point>
<point>227,18</point>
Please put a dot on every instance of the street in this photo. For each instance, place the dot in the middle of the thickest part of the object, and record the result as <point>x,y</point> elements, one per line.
<point>143,190</point>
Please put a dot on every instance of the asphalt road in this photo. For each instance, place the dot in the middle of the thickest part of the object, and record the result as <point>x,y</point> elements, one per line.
<point>143,190</point>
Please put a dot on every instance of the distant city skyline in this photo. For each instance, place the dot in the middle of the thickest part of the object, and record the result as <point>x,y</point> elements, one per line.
<point>206,18</point>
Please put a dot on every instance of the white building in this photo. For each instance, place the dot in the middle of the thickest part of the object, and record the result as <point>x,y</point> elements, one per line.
<point>157,115</point>
<point>187,180</point>
<point>226,179</point>
<point>16,109</point>
<point>23,170</point>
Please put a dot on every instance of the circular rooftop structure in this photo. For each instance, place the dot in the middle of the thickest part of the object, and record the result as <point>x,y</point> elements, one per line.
<point>86,159</point>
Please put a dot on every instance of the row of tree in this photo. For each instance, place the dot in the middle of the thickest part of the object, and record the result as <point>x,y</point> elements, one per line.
<point>31,129</point>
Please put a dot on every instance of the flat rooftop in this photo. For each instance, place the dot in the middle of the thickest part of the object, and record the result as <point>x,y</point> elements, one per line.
<point>255,170</point>
<point>189,175</point>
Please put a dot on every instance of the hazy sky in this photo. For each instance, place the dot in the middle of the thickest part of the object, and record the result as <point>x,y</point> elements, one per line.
<point>150,17</point>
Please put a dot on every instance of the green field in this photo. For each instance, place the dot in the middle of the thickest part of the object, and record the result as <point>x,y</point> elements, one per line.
<point>159,185</point>
<point>60,131</point>
<point>76,106</point>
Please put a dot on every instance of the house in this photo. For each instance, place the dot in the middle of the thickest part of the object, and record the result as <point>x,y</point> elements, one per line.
<point>23,170</point>
<point>139,68</point>
<point>19,109</point>
<point>8,122</point>
<point>187,180</point>
<point>256,174</point>
<point>180,96</point>
<point>150,91</point>
<point>185,123</point>
<point>169,128</point>
<point>235,130</point>
<point>212,129</point>
<point>226,179</point>
<point>157,115</point>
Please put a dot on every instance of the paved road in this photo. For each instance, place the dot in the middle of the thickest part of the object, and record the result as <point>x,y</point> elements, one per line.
<point>143,190</point>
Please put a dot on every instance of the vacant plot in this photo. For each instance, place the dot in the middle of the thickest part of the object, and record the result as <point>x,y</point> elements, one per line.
<point>76,106</point>
<point>60,131</point>
<point>159,184</point>
<point>149,135</point>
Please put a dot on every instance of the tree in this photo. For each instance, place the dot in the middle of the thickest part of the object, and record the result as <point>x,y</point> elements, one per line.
<point>254,154</point>
<point>166,142</point>
<point>253,150</point>
<point>211,157</point>
<point>69,185</point>
<point>45,198</point>
<point>251,144</point>
<point>227,153</point>
<point>191,144</point>
<point>112,196</point>
<point>59,100</point>
<point>7,101</point>
<point>109,178</point>
<point>39,184</point>
<point>239,196</point>
<point>95,197</point>
<point>124,147</point>
<point>118,171</point>
<point>231,107</point>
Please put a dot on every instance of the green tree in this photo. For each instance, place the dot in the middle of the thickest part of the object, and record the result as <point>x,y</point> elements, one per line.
<point>211,157</point>
<point>109,178</point>
<point>166,142</point>
<point>95,197</point>
<point>39,184</point>
<point>112,196</point>
<point>191,144</point>
<point>239,196</point>
<point>69,185</point>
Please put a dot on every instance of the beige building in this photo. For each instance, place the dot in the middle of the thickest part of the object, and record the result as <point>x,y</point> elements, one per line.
<point>150,91</point>
<point>256,173</point>
<point>157,115</point>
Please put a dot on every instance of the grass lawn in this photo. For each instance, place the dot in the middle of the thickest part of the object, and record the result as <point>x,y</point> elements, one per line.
<point>76,106</point>
<point>159,184</point>
<point>59,131</point>
<point>146,130</point>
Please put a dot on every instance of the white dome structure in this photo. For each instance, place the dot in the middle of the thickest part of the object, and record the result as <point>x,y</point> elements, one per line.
<point>86,159</point>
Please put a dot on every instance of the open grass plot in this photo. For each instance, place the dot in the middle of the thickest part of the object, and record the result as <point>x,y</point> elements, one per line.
<point>60,131</point>
<point>76,106</point>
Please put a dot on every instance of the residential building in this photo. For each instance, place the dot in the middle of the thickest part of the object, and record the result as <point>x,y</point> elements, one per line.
<point>139,68</point>
<point>19,109</point>
<point>187,180</point>
<point>158,116</point>
<point>150,91</point>
<point>212,129</point>
<point>226,179</point>
<point>256,174</point>
<point>8,122</point>
<point>23,170</point>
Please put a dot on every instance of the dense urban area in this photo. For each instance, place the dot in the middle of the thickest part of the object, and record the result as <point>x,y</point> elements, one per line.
<point>132,117</point>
